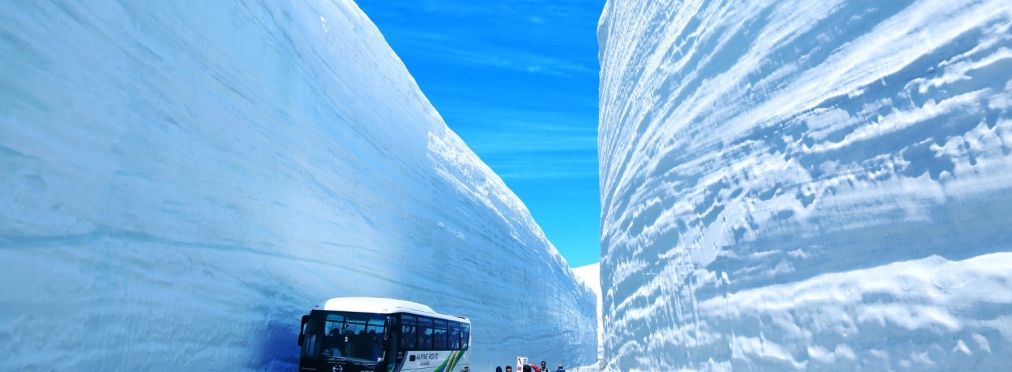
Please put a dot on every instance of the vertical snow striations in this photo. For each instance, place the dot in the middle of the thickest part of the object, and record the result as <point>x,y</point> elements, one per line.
<point>792,185</point>
<point>183,179</point>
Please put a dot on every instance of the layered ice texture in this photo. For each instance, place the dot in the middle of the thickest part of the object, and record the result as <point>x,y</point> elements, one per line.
<point>807,185</point>
<point>181,180</point>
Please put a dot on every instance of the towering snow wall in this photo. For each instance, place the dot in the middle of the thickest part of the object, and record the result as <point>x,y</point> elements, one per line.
<point>795,184</point>
<point>181,180</point>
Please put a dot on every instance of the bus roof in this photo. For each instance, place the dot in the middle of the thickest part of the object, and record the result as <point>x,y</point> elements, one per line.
<point>383,306</point>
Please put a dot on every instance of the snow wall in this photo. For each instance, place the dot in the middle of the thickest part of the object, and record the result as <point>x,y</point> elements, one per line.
<point>806,185</point>
<point>591,275</point>
<point>182,180</point>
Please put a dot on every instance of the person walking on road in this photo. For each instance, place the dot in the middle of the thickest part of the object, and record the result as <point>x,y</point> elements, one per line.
<point>560,369</point>
<point>498,369</point>
<point>544,366</point>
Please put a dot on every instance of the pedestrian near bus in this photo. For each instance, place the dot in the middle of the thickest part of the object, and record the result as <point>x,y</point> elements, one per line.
<point>544,366</point>
<point>560,369</point>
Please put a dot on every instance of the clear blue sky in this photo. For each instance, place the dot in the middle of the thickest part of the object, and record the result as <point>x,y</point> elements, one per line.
<point>517,80</point>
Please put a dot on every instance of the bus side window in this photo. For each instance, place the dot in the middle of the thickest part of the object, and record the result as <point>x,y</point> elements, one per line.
<point>454,336</point>
<point>424,333</point>
<point>408,331</point>
<point>465,331</point>
<point>439,334</point>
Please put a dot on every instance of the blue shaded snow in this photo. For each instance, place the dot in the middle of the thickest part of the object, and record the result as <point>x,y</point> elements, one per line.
<point>183,179</point>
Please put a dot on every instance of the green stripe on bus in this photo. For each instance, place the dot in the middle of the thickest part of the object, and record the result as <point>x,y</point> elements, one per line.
<point>442,367</point>
<point>456,359</point>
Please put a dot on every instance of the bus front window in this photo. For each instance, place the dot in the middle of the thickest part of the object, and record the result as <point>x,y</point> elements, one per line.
<point>357,337</point>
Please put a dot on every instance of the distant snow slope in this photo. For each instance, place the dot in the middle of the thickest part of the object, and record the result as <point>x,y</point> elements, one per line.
<point>794,184</point>
<point>591,275</point>
<point>183,179</point>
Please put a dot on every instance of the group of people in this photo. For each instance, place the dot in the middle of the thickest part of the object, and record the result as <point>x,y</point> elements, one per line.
<point>532,368</point>
<point>345,343</point>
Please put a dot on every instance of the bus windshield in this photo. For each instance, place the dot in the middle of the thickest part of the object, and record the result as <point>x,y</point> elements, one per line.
<point>344,336</point>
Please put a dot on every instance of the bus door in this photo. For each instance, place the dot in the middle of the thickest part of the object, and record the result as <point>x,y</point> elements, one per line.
<point>392,352</point>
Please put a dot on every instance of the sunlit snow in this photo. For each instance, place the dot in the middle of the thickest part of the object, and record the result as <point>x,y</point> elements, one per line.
<point>806,185</point>
<point>591,275</point>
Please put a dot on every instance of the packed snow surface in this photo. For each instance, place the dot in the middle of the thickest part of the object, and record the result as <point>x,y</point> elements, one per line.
<point>806,185</point>
<point>591,275</point>
<point>183,179</point>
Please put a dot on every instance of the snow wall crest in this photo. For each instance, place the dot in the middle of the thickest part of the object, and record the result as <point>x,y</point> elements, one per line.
<point>793,185</point>
<point>182,180</point>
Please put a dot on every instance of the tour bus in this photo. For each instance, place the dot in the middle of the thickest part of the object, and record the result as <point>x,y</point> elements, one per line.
<point>354,334</point>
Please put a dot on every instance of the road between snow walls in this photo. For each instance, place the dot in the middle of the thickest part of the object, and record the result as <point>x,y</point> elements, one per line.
<point>806,185</point>
<point>182,180</point>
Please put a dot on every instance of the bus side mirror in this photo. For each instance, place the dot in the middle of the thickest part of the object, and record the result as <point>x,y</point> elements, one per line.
<point>302,328</point>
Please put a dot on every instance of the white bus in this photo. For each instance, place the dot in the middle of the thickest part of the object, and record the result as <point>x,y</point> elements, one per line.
<point>356,334</point>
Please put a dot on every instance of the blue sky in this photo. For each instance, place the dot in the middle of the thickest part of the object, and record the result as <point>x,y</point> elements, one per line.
<point>517,80</point>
